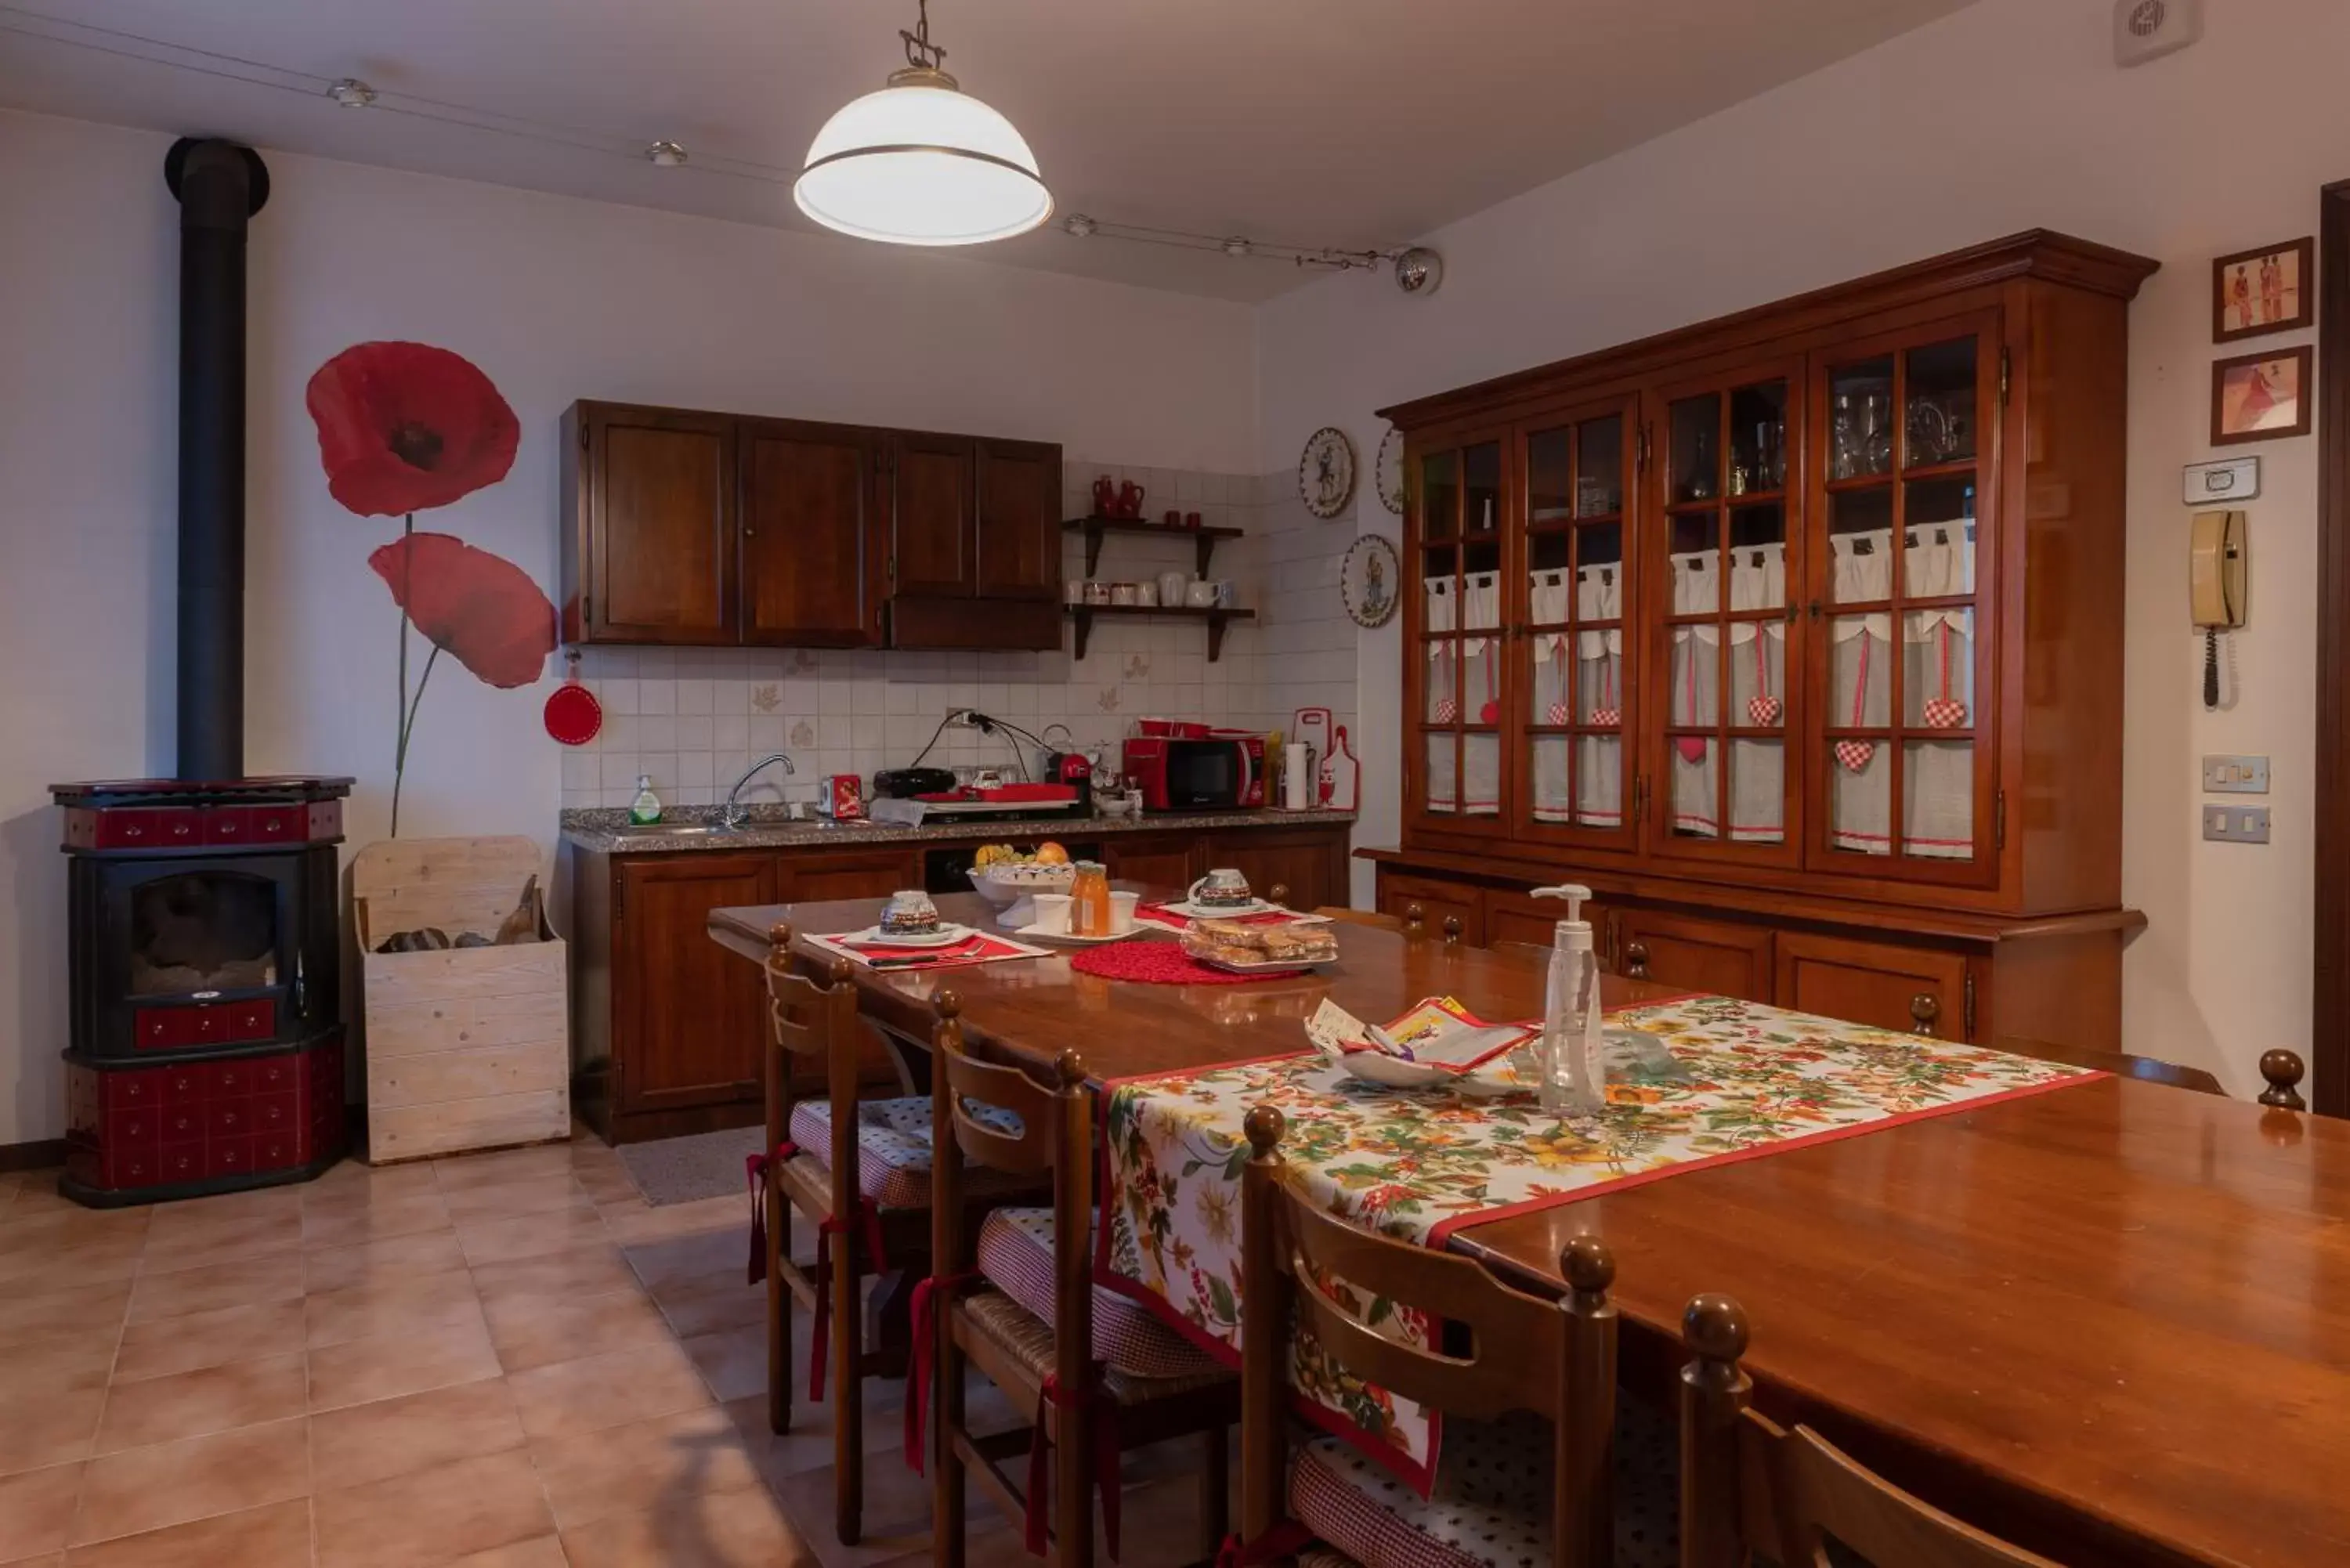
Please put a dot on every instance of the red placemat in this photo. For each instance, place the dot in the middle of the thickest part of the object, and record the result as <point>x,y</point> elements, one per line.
<point>1162,963</point>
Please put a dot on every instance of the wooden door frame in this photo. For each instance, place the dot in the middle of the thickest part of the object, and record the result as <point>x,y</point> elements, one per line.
<point>2329,1024</point>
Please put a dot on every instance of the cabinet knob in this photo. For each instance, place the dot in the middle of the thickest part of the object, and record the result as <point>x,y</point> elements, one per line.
<point>1414,917</point>
<point>1278,893</point>
<point>1453,930</point>
<point>1923,1009</point>
<point>1636,961</point>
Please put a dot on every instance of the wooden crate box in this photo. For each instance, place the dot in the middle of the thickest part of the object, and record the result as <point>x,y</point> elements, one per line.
<point>467,1048</point>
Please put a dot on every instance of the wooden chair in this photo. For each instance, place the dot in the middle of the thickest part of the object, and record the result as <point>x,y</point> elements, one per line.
<point>1412,922</point>
<point>1751,1486</point>
<point>981,1310</point>
<point>1505,1356</point>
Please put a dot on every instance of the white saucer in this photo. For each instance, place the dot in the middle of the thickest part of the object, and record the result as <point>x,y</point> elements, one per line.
<point>1069,938</point>
<point>947,935</point>
<point>1192,911</point>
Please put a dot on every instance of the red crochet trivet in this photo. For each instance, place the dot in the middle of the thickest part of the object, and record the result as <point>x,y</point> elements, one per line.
<point>1162,963</point>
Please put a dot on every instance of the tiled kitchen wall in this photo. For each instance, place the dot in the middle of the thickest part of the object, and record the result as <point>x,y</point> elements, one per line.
<point>694,718</point>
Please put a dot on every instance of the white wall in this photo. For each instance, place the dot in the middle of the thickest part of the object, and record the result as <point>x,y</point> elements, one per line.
<point>556,299</point>
<point>2006,116</point>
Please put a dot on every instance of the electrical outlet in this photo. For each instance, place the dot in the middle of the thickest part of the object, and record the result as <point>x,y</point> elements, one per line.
<point>2236,775</point>
<point>2236,823</point>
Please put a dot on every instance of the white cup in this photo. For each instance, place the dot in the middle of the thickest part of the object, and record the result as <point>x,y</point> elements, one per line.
<point>1121,912</point>
<point>1052,913</point>
<point>1171,588</point>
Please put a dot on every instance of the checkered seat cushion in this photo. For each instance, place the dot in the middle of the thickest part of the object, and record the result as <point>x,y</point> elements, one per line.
<point>893,1147</point>
<point>1016,1254</point>
<point>1491,1504</point>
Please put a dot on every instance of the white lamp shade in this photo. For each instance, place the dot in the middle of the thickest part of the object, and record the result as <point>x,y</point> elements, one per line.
<point>920,165</point>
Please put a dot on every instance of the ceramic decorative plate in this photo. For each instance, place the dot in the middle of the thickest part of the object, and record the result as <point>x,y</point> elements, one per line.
<point>1368,579</point>
<point>1325,473</point>
<point>946,936</point>
<point>1387,471</point>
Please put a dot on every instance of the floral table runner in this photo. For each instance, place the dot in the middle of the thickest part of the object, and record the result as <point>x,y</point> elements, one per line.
<point>1743,1079</point>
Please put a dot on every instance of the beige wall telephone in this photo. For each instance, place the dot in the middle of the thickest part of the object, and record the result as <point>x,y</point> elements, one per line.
<point>2216,570</point>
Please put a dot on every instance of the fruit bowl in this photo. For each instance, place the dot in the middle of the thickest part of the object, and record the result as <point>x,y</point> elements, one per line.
<point>1011,887</point>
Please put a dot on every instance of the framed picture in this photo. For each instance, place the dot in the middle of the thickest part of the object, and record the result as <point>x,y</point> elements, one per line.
<point>2261,397</point>
<point>2271,288</point>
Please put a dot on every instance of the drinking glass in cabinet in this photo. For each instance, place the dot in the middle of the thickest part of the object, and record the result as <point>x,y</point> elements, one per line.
<point>1696,457</point>
<point>1937,799</point>
<point>1860,419</point>
<point>1599,479</point>
<point>1939,423</point>
<point>1758,417</point>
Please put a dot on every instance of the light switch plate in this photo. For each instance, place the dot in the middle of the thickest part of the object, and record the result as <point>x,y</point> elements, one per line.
<point>2227,481</point>
<point>2236,775</point>
<point>2236,823</point>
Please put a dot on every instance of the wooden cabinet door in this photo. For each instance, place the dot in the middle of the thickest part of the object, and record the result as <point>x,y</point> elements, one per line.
<point>934,531</point>
<point>809,878</point>
<point>1516,918</point>
<point>689,1016</point>
<point>1875,983</point>
<point>660,522</point>
<point>1019,539</point>
<point>1458,687</point>
<point>1310,864</point>
<point>1163,862</point>
<point>1713,956</point>
<point>811,562</point>
<point>1436,901</point>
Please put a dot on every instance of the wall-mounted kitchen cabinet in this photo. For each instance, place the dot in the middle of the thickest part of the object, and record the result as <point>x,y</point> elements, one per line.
<point>684,528</point>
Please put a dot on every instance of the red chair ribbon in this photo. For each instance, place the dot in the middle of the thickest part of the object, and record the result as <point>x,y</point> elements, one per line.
<point>755,1173</point>
<point>1285,1539</point>
<point>1106,1461</point>
<point>869,1221</point>
<point>922,1384</point>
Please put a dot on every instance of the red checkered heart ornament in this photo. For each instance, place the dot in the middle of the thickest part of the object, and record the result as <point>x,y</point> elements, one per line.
<point>1854,754</point>
<point>1762,711</point>
<point>1446,711</point>
<point>1945,713</point>
<point>1556,714</point>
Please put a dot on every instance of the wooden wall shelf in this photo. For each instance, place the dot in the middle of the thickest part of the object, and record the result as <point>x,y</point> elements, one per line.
<point>1203,539</point>
<point>1217,620</point>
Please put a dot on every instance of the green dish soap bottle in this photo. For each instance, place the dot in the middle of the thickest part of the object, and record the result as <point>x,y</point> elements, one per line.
<point>646,809</point>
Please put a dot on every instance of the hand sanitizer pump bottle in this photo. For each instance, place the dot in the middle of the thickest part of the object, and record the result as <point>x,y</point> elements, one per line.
<point>1571,1052</point>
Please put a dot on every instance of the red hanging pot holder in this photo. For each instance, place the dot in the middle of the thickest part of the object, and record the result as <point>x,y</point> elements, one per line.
<point>1762,710</point>
<point>573,715</point>
<point>1945,712</point>
<point>1854,754</point>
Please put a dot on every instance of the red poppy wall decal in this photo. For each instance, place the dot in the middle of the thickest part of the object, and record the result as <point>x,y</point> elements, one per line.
<point>406,427</point>
<point>403,427</point>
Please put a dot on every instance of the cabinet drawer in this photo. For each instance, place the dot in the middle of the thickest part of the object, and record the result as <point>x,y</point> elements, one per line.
<point>180,1162</point>
<point>1436,901</point>
<point>126,1089</point>
<point>228,824</point>
<point>229,1156</point>
<point>1875,983</point>
<point>160,1028</point>
<point>182,1124</point>
<point>1720,958</point>
<point>277,1113</point>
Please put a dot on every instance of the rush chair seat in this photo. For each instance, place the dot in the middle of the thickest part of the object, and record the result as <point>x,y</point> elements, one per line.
<point>1750,1487</point>
<point>1088,1408</point>
<point>1532,1467</point>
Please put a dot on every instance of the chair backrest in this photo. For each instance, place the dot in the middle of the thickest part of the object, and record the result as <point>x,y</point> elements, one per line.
<point>1370,917</point>
<point>2121,1063</point>
<point>1749,1485</point>
<point>815,1023</point>
<point>1496,1349</point>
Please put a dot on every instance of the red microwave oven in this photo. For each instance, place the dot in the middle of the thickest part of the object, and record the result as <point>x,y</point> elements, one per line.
<point>1174,774</point>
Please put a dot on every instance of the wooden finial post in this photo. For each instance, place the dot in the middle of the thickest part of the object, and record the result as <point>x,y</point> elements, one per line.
<point>1264,1330</point>
<point>1714,1396</point>
<point>1924,1008</point>
<point>2283,1070</point>
<point>1585,1482</point>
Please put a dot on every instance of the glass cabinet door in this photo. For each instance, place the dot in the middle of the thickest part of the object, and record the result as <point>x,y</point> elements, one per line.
<point>1573,763</point>
<point>1900,740</point>
<point>1717,780</point>
<point>1456,629</point>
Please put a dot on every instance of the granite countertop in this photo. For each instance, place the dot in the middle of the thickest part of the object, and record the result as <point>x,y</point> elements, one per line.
<point>605,829</point>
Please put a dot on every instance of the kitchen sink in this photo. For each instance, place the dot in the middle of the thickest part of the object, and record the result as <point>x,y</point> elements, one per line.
<point>673,830</point>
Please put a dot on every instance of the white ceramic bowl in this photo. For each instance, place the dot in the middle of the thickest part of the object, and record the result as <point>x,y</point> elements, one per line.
<point>1004,886</point>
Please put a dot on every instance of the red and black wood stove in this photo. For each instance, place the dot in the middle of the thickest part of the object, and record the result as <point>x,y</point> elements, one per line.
<point>207,1042</point>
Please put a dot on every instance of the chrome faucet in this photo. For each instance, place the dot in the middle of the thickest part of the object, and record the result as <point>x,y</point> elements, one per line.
<point>732,817</point>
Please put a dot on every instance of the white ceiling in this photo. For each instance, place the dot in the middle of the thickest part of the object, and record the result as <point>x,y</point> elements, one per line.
<point>1349,123</point>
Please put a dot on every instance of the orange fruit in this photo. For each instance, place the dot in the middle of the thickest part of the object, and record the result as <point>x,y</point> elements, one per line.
<point>1051,853</point>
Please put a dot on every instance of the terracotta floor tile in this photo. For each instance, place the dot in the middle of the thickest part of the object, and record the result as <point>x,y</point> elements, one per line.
<point>48,1429</point>
<point>191,1245</point>
<point>208,1339</point>
<point>388,1366</point>
<point>431,1516</point>
<point>698,1256</point>
<point>45,1269</point>
<point>389,1306</point>
<point>69,1225</point>
<point>36,1511</point>
<point>396,1258</point>
<point>39,1361</point>
<point>649,1224</point>
<point>275,1536</point>
<point>140,1489</point>
<point>505,1199</point>
<point>247,1281</point>
<point>353,1185</point>
<point>709,1302</point>
<point>191,1404</point>
<point>607,1183</point>
<point>75,1308</point>
<point>718,1529</point>
<point>541,1552</point>
<point>224,1209</point>
<point>642,1465</point>
<point>374,1222</point>
<point>363,1443</point>
<point>514,1236</point>
<point>538,1330</point>
<point>503,1167</point>
<point>606,1390</point>
<point>581,1270</point>
<point>40,1197</point>
<point>733,1362</point>
<point>897,1513</point>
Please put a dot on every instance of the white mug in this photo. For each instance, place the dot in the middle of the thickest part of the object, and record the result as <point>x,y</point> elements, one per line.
<point>1171,588</point>
<point>1199,593</point>
<point>1052,913</point>
<point>1222,885</point>
<point>1121,912</point>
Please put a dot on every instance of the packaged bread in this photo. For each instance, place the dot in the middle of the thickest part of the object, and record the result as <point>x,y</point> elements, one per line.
<point>1229,933</point>
<point>1299,944</point>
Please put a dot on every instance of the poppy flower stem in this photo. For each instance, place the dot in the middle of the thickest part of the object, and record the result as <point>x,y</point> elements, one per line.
<point>399,736</point>
<point>407,727</point>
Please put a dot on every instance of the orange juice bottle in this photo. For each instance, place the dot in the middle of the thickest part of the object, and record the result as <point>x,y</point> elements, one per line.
<point>1089,913</point>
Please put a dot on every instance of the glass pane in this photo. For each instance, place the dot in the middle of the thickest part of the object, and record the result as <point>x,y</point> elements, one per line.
<point>1697,563</point>
<point>1758,558</point>
<point>1860,546</point>
<point>1937,799</point>
<point>1696,457</point>
<point>1691,762</point>
<point>1940,423</point>
<point>1599,781</point>
<point>1550,459</point>
<point>1599,484</point>
<point>1599,679</point>
<point>1758,674</point>
<point>1758,438</point>
<point>202,930</point>
<point>1696,676</point>
<point>1860,785</point>
<point>1600,545</point>
<point>1443,683</point>
<point>1439,494</point>
<point>1480,679</point>
<point>1860,673</point>
<point>1937,555</point>
<point>1551,661</point>
<point>1549,783</point>
<point>1758,791</point>
<point>1861,419</point>
<point>1481,466</point>
<point>1551,551</point>
<point>1937,687</point>
<point>1443,775</point>
<point>1481,782</point>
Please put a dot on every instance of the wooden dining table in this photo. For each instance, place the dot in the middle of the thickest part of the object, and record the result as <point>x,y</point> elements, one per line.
<point>2110,1322</point>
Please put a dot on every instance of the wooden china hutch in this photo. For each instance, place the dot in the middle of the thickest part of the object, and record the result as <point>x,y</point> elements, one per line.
<point>1797,636</point>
